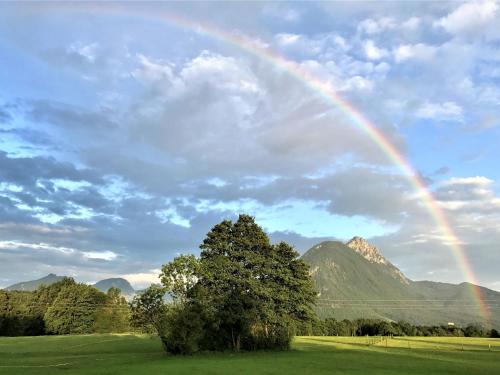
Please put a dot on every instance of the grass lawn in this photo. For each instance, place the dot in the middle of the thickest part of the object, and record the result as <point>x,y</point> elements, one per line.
<point>133,354</point>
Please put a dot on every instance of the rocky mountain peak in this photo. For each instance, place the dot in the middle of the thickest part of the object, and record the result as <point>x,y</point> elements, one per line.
<point>369,252</point>
<point>372,254</point>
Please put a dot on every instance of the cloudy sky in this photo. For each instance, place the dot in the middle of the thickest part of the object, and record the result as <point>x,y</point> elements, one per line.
<point>124,137</point>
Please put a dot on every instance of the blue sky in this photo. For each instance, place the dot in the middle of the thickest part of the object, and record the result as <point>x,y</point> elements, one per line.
<point>124,138</point>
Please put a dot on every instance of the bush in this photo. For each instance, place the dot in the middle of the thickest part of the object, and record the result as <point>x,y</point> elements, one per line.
<point>184,330</point>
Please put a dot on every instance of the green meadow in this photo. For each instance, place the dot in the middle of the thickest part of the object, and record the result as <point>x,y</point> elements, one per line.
<point>141,354</point>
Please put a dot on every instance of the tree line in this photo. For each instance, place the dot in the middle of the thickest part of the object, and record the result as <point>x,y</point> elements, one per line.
<point>378,327</point>
<point>65,307</point>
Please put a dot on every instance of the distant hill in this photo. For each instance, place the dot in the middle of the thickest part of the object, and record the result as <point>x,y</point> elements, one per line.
<point>29,286</point>
<point>355,281</point>
<point>120,283</point>
<point>102,285</point>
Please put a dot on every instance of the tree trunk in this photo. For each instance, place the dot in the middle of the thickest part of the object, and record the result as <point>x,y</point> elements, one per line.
<point>232,339</point>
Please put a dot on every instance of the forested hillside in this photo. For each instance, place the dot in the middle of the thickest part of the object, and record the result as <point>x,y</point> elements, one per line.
<point>355,281</point>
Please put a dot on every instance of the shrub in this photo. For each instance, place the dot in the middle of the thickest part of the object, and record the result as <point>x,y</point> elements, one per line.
<point>184,330</point>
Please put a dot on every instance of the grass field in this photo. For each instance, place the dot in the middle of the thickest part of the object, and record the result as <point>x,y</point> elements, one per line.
<point>131,354</point>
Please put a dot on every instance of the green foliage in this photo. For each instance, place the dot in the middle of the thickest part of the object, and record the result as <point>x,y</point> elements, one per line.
<point>74,310</point>
<point>15,317</point>
<point>249,292</point>
<point>475,330</point>
<point>61,308</point>
<point>114,315</point>
<point>179,276</point>
<point>22,313</point>
<point>377,327</point>
<point>184,329</point>
<point>148,310</point>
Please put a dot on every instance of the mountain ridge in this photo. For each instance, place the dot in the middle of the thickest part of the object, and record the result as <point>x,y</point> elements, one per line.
<point>354,280</point>
<point>51,278</point>
<point>31,285</point>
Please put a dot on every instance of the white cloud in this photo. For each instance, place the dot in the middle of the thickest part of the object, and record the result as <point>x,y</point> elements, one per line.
<point>373,52</point>
<point>341,42</point>
<point>285,39</point>
<point>476,180</point>
<point>44,229</point>
<point>151,70</point>
<point>472,208</point>
<point>103,255</point>
<point>19,245</point>
<point>221,71</point>
<point>480,94</point>
<point>232,87</point>
<point>358,83</point>
<point>446,110</point>
<point>418,51</point>
<point>354,77</point>
<point>473,196</point>
<point>86,51</point>
<point>472,17</point>
<point>317,46</point>
<point>382,68</point>
<point>14,245</point>
<point>375,26</point>
<point>434,236</point>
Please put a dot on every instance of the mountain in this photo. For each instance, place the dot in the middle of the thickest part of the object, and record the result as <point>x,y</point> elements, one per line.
<point>102,285</point>
<point>355,281</point>
<point>30,286</point>
<point>120,283</point>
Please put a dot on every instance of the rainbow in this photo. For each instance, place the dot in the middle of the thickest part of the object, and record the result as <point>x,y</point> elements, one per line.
<point>254,48</point>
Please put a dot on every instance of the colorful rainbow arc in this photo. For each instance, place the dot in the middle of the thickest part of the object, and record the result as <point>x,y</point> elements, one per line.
<point>252,47</point>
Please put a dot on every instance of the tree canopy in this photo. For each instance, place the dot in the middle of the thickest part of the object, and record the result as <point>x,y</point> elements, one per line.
<point>64,307</point>
<point>245,292</point>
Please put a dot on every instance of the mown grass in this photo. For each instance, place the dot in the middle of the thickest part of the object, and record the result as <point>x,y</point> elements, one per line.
<point>136,354</point>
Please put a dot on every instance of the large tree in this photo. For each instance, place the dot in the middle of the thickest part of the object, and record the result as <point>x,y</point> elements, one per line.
<point>248,292</point>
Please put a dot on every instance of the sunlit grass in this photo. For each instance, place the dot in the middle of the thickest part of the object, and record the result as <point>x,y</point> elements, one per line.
<point>142,354</point>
